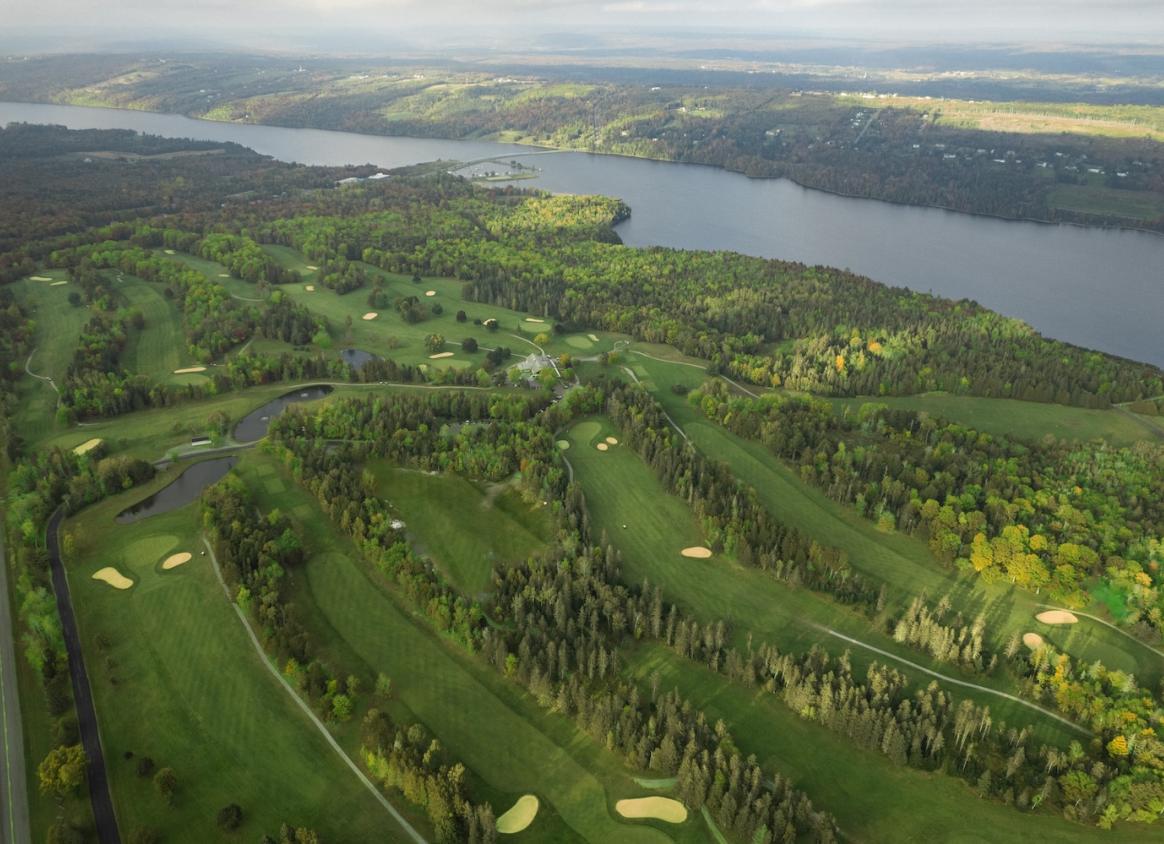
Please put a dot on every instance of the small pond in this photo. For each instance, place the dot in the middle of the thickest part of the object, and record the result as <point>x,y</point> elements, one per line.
<point>184,489</point>
<point>254,425</point>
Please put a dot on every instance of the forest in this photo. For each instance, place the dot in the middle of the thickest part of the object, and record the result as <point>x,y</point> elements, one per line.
<point>874,144</point>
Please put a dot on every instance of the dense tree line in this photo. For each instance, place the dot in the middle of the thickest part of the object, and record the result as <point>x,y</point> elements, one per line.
<point>1043,515</point>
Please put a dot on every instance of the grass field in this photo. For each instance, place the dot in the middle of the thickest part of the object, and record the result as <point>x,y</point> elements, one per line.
<point>175,678</point>
<point>511,745</point>
<point>1100,199</point>
<point>873,799</point>
<point>903,562</point>
<point>467,528</point>
<point>158,349</point>
<point>620,490</point>
<point>55,319</point>
<point>1022,419</point>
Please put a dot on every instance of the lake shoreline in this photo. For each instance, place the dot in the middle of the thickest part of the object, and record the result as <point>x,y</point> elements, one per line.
<point>495,139</point>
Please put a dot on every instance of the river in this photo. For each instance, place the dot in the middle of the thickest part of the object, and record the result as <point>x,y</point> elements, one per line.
<point>1098,288</point>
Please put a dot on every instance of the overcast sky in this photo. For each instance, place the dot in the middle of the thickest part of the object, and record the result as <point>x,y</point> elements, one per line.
<point>1027,20</point>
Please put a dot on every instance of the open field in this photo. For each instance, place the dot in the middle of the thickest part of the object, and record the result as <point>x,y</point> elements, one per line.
<point>1023,419</point>
<point>159,348</point>
<point>1099,199</point>
<point>467,528</point>
<point>176,679</point>
<point>512,746</point>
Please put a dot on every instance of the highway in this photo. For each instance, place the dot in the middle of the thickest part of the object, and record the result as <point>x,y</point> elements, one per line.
<point>14,828</point>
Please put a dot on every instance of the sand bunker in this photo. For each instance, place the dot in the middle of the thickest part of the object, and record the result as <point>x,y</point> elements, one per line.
<point>1033,641</point>
<point>168,251</point>
<point>697,552</point>
<point>313,269</point>
<point>189,369</point>
<point>440,355</point>
<point>563,444</point>
<point>88,446</point>
<point>430,293</point>
<point>519,816</point>
<point>533,319</point>
<point>1056,617</point>
<point>58,283</point>
<point>40,278</point>
<point>310,288</point>
<point>113,577</point>
<point>602,446</point>
<point>660,808</point>
<point>593,337</point>
<point>224,275</point>
<point>371,315</point>
<point>612,440</point>
<point>175,560</point>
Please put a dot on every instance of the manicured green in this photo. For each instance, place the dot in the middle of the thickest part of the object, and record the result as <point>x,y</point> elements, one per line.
<point>511,744</point>
<point>176,678</point>
<point>1022,419</point>
<point>467,528</point>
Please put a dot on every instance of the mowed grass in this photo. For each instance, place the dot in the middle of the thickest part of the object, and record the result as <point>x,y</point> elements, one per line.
<point>58,325</point>
<point>873,799</point>
<point>903,562</point>
<point>158,349</point>
<point>622,491</point>
<point>468,529</point>
<point>511,745</point>
<point>175,678</point>
<point>1022,419</point>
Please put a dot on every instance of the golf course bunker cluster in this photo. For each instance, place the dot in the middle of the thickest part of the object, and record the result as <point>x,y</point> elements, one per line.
<point>175,560</point>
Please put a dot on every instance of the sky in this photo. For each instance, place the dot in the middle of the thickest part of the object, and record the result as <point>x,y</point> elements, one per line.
<point>428,21</point>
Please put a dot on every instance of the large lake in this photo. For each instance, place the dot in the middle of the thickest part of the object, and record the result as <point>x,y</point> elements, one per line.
<point>1097,288</point>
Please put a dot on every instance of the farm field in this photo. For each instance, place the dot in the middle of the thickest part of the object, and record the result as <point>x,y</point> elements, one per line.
<point>523,750</point>
<point>467,528</point>
<point>176,679</point>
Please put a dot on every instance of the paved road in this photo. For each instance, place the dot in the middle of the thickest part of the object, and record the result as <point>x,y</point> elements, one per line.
<point>103,814</point>
<point>14,827</point>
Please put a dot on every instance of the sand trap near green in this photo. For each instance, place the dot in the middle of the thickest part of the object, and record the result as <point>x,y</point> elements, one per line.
<point>533,319</point>
<point>168,251</point>
<point>39,278</point>
<point>313,269</point>
<point>696,552</point>
<point>440,355</point>
<point>563,444</point>
<point>310,288</point>
<point>1033,641</point>
<point>175,560</point>
<point>520,815</point>
<point>59,283</point>
<point>88,445</point>
<point>612,440</point>
<point>430,293</point>
<point>1057,617</point>
<point>370,315</point>
<point>659,808</point>
<point>602,446</point>
<point>189,370</point>
<point>224,275</point>
<point>593,337</point>
<point>113,577</point>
